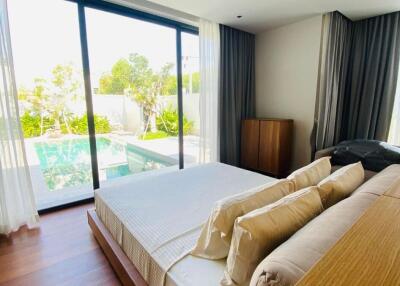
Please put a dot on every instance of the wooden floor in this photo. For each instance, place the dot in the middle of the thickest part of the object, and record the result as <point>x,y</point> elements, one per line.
<point>61,252</point>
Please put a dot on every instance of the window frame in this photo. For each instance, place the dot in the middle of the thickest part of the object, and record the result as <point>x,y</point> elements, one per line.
<point>138,15</point>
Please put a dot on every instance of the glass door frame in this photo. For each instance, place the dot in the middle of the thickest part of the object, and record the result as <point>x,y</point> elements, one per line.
<point>138,15</point>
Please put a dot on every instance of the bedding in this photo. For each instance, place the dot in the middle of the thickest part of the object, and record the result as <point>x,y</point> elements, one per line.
<point>195,271</point>
<point>381,182</point>
<point>291,260</point>
<point>259,232</point>
<point>216,234</point>
<point>341,184</point>
<point>157,219</point>
<point>311,174</point>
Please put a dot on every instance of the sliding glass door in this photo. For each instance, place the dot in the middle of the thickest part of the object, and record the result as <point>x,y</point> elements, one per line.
<point>190,97</point>
<point>48,68</point>
<point>99,96</point>
<point>133,79</point>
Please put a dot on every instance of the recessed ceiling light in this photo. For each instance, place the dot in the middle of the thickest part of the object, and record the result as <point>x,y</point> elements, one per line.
<point>239,16</point>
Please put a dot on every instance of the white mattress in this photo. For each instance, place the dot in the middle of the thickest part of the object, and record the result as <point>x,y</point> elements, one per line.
<point>157,219</point>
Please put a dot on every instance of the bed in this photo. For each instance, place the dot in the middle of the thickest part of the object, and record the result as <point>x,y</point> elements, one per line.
<point>148,225</point>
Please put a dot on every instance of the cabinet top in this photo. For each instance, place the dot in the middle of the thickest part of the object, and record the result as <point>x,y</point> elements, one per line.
<point>269,119</point>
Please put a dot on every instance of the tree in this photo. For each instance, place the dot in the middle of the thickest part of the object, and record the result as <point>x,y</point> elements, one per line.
<point>65,87</point>
<point>170,87</point>
<point>195,82</point>
<point>49,98</point>
<point>134,78</point>
<point>134,73</point>
<point>118,80</point>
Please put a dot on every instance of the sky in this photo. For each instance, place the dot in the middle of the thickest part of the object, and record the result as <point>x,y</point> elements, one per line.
<point>45,33</point>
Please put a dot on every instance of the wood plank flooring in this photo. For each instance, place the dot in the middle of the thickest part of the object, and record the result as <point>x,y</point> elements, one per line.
<point>62,251</point>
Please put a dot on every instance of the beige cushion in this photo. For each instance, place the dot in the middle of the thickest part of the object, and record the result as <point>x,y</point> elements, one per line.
<point>381,182</point>
<point>311,174</point>
<point>341,184</point>
<point>259,232</point>
<point>292,259</point>
<point>368,174</point>
<point>215,237</point>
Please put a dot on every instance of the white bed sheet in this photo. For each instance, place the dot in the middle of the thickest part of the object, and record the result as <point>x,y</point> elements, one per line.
<point>157,219</point>
<point>195,271</point>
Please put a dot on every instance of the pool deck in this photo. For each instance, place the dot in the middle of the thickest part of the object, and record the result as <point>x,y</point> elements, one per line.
<point>164,147</point>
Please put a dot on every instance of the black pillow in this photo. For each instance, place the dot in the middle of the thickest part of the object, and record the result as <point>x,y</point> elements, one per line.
<point>374,155</point>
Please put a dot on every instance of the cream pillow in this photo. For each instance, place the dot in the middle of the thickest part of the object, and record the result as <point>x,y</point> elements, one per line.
<point>259,232</point>
<point>311,174</point>
<point>215,237</point>
<point>341,184</point>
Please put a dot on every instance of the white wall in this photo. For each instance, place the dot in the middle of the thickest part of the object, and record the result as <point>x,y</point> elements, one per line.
<point>125,114</point>
<point>286,79</point>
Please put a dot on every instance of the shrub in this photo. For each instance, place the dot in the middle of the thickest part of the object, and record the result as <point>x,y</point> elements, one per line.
<point>31,124</point>
<point>153,135</point>
<point>102,124</point>
<point>79,125</point>
<point>168,122</point>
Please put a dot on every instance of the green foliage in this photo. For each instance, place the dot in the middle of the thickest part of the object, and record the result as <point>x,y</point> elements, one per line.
<point>49,98</point>
<point>134,78</point>
<point>195,82</point>
<point>31,125</point>
<point>170,87</point>
<point>102,124</point>
<point>79,125</point>
<point>23,93</point>
<point>66,82</point>
<point>118,80</point>
<point>133,73</point>
<point>168,122</point>
<point>153,135</point>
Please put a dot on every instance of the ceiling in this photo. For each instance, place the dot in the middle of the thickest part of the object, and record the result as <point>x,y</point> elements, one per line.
<point>260,15</point>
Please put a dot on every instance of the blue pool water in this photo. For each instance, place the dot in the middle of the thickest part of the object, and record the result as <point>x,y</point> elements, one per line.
<point>67,163</point>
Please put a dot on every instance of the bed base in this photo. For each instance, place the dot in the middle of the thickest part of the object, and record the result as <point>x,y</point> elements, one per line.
<point>123,267</point>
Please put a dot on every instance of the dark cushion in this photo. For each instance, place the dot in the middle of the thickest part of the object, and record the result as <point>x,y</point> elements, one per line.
<point>374,155</point>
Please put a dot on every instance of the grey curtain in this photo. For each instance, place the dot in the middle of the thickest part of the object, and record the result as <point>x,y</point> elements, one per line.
<point>357,80</point>
<point>237,89</point>
<point>372,79</point>
<point>332,79</point>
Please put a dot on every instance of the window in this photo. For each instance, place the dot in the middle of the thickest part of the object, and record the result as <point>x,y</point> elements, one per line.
<point>98,94</point>
<point>48,69</point>
<point>133,88</point>
<point>190,97</point>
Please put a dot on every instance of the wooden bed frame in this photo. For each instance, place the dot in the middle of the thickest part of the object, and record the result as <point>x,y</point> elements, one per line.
<point>122,265</point>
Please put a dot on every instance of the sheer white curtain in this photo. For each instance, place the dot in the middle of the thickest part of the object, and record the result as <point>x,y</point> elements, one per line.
<point>209,88</point>
<point>17,204</point>
<point>394,133</point>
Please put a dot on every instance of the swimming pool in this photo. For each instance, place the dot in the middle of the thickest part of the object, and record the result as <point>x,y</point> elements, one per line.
<point>67,162</point>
